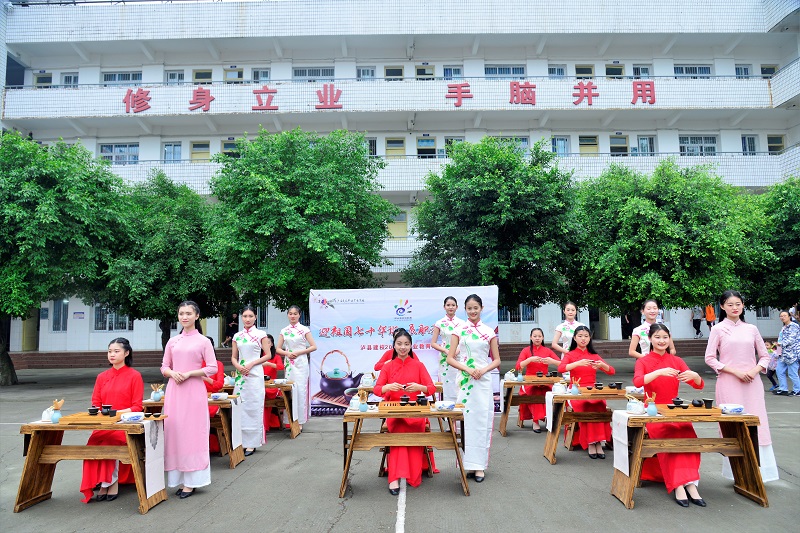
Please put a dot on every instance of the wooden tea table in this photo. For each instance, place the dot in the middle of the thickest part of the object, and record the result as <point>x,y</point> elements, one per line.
<point>561,416</point>
<point>283,402</point>
<point>43,450</point>
<point>513,396</point>
<point>739,442</point>
<point>224,427</point>
<point>359,440</point>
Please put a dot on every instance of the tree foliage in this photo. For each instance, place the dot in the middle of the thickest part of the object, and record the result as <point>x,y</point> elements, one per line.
<point>681,236</point>
<point>781,207</point>
<point>495,216</point>
<point>165,260</point>
<point>59,227</point>
<point>298,211</point>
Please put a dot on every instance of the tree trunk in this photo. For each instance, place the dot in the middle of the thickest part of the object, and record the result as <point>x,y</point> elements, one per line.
<point>165,332</point>
<point>8,376</point>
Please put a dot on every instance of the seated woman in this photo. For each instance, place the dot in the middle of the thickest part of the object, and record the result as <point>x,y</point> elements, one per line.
<point>387,355</point>
<point>121,387</point>
<point>660,373</point>
<point>535,358</point>
<point>404,374</point>
<point>271,368</point>
<point>214,384</point>
<point>582,363</point>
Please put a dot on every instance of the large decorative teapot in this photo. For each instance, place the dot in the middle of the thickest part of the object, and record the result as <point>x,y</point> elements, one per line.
<point>336,381</point>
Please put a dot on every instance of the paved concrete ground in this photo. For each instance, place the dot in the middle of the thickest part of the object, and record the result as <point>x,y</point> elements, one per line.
<point>292,485</point>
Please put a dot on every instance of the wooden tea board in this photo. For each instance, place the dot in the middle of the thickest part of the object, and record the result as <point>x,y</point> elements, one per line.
<point>86,418</point>
<point>677,412</point>
<point>394,407</point>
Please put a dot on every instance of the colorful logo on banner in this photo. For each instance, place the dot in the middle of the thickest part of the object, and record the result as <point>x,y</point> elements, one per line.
<point>403,308</point>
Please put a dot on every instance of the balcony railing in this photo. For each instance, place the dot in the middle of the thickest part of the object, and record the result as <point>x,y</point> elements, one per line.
<point>408,173</point>
<point>142,100</point>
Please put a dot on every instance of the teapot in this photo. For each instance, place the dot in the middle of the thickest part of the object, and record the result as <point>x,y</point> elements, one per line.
<point>635,406</point>
<point>559,388</point>
<point>335,382</point>
<point>509,376</point>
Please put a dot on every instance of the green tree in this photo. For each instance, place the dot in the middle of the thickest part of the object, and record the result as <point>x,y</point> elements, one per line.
<point>166,260</point>
<point>781,206</point>
<point>298,211</point>
<point>59,226</point>
<point>681,236</point>
<point>495,216</point>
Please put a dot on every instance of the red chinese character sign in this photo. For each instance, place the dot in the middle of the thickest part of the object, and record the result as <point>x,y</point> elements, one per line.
<point>137,101</point>
<point>201,98</point>
<point>586,90</point>
<point>644,90</point>
<point>353,328</point>
<point>329,97</point>
<point>458,91</point>
<point>522,93</point>
<point>265,105</point>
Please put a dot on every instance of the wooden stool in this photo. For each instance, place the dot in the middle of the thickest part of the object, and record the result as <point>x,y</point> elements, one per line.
<point>218,429</point>
<point>383,470</point>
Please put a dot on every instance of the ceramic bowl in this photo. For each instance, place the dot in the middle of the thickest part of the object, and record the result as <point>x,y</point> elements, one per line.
<point>671,406</point>
<point>677,401</point>
<point>112,412</point>
<point>93,411</point>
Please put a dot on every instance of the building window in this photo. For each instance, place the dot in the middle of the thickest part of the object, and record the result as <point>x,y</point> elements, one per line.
<point>172,152</point>
<point>521,313</point>
<point>646,145</point>
<point>365,73</point>
<point>615,72</point>
<point>453,72</point>
<point>426,147</point>
<point>201,77</point>
<point>60,314</point>
<point>393,73</point>
<point>743,71</point>
<point>775,144</point>
<point>560,145</point>
<point>106,320</point>
<point>696,72</point>
<point>229,148</point>
<point>763,312</point>
<point>395,148</point>
<point>698,145</point>
<point>767,71</point>
<point>505,72</point>
<point>749,144</point>
<point>521,142</point>
<point>311,74</point>
<point>43,81</point>
<point>122,78</point>
<point>450,141</point>
<point>584,72</point>
<point>120,154</point>
<point>372,146</point>
<point>587,145</point>
<point>200,152</point>
<point>424,72</point>
<point>642,71</point>
<point>173,77</point>
<point>69,79</point>
<point>618,145</point>
<point>260,75</point>
<point>233,75</point>
<point>556,71</point>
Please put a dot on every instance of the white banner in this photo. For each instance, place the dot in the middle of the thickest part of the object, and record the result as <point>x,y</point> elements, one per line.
<point>353,328</point>
<point>153,457</point>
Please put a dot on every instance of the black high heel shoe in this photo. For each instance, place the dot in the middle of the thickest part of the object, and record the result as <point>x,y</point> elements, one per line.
<point>697,501</point>
<point>101,497</point>
<point>394,492</point>
<point>111,497</point>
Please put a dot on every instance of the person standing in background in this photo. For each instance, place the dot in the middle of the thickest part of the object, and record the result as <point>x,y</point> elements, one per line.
<point>697,317</point>
<point>711,316</point>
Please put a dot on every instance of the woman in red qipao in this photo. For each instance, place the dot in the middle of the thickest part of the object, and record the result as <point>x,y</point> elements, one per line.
<point>404,374</point>
<point>271,367</point>
<point>214,384</point>
<point>121,387</point>
<point>582,362</point>
<point>535,358</point>
<point>660,373</point>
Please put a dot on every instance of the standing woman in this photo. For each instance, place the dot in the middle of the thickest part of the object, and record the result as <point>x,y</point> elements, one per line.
<point>445,328</point>
<point>247,356</point>
<point>187,359</point>
<point>476,358</point>
<point>295,343</point>
<point>121,387</point>
<point>271,366</point>
<point>730,352</point>
<point>562,338</point>
<point>404,374</point>
<point>535,358</point>
<point>660,373</point>
<point>582,362</point>
<point>639,337</point>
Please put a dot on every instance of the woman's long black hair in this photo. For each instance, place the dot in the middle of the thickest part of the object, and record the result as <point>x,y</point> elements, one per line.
<point>531,333</point>
<point>126,346</point>
<point>724,298</point>
<point>401,332</point>
<point>589,347</point>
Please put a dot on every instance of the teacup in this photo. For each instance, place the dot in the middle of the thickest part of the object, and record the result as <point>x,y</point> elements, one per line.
<point>156,415</point>
<point>598,386</point>
<point>112,412</point>
<point>148,415</point>
<point>553,374</point>
<point>93,411</point>
<point>677,401</point>
<point>539,374</point>
<point>619,385</point>
<point>709,402</point>
<point>612,385</point>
